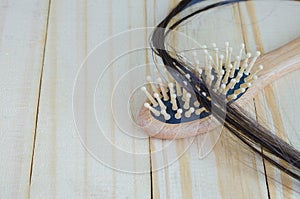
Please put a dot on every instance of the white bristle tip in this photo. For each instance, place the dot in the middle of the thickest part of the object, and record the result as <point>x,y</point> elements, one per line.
<point>189,112</point>
<point>147,105</point>
<point>260,67</point>
<point>249,55</point>
<point>258,53</point>
<point>165,114</point>
<point>167,117</point>
<point>178,114</point>
<point>233,97</point>
<point>143,89</point>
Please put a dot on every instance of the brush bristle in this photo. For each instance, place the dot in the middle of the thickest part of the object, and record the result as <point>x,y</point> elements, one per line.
<point>225,74</point>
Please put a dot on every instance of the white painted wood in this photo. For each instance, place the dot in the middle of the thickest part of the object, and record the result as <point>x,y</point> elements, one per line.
<point>22,35</point>
<point>229,170</point>
<point>270,25</point>
<point>63,168</point>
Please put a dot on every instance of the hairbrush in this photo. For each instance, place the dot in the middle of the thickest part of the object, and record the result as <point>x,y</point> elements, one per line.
<point>172,112</point>
<point>221,85</point>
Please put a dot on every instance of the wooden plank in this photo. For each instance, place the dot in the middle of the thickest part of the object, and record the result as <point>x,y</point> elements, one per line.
<point>65,163</point>
<point>228,169</point>
<point>22,31</point>
<point>268,26</point>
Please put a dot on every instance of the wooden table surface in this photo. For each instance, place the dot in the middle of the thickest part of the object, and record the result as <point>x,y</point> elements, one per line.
<point>46,150</point>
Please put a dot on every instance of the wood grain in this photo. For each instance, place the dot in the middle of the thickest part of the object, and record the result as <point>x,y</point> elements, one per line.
<point>45,155</point>
<point>276,105</point>
<point>213,165</point>
<point>65,165</point>
<point>22,31</point>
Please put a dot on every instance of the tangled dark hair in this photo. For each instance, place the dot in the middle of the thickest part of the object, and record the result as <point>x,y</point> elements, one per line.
<point>236,120</point>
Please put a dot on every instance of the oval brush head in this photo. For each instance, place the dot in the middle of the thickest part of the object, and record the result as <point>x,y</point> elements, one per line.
<point>172,112</point>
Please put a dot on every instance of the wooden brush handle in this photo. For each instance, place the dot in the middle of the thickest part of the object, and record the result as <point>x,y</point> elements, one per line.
<point>277,63</point>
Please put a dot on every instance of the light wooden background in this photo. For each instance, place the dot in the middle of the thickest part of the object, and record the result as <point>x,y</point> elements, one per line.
<point>43,43</point>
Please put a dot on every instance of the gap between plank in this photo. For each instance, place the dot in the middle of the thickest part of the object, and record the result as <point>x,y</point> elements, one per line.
<point>244,32</point>
<point>262,150</point>
<point>39,96</point>
<point>151,179</point>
